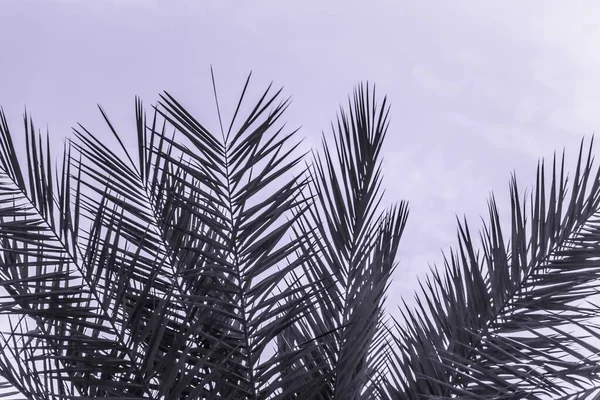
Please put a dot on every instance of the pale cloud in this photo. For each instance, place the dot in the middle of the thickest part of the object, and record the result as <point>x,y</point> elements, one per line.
<point>430,81</point>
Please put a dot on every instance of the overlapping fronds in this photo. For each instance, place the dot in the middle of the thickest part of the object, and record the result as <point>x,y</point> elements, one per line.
<point>153,277</point>
<point>209,265</point>
<point>519,318</point>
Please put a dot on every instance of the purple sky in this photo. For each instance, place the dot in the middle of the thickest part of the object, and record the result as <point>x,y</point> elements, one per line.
<point>477,89</point>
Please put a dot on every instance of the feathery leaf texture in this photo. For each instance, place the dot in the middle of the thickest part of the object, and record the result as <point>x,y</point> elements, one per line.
<point>214,265</point>
<point>517,319</point>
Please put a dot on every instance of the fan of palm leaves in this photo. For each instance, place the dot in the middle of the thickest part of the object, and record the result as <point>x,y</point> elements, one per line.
<point>225,264</point>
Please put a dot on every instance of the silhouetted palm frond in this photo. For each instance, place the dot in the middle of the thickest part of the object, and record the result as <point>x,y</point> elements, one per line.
<point>353,258</point>
<point>519,319</point>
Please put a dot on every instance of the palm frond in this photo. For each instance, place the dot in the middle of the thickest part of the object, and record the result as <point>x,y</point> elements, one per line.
<point>43,271</point>
<point>354,255</point>
<point>242,177</point>
<point>515,320</point>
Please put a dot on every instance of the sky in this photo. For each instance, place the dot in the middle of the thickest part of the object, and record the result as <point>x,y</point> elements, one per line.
<point>477,89</point>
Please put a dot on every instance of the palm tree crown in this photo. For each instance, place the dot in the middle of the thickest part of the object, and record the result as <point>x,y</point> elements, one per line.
<point>226,265</point>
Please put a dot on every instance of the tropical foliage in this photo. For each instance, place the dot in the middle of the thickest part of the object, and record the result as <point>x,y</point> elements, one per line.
<point>224,264</point>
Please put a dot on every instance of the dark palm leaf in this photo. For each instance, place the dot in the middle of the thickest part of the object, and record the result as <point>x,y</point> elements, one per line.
<point>515,321</point>
<point>353,259</point>
<point>43,271</point>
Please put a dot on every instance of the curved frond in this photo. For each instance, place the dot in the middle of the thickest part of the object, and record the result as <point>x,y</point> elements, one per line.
<point>353,258</point>
<point>518,319</point>
<point>44,273</point>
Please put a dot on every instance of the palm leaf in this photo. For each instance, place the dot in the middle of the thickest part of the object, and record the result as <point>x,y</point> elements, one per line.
<point>353,258</point>
<point>43,271</point>
<point>516,319</point>
<point>250,227</point>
